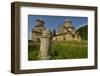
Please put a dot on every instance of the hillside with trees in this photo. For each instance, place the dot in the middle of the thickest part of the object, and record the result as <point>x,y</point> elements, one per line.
<point>83,32</point>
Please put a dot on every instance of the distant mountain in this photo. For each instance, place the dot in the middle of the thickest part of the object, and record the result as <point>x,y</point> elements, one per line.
<point>83,32</point>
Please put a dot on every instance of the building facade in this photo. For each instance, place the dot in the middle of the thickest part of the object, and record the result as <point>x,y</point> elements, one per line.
<point>37,30</point>
<point>65,32</point>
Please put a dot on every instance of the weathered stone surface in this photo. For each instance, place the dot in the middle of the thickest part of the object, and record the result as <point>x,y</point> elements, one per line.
<point>67,27</point>
<point>37,30</point>
<point>66,32</point>
<point>45,46</point>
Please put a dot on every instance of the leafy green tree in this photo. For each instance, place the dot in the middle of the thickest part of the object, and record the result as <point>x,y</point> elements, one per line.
<point>83,32</point>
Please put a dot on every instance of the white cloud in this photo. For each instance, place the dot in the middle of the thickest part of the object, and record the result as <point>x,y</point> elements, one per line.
<point>80,26</point>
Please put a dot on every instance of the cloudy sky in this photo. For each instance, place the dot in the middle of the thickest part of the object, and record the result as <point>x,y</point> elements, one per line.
<point>52,22</point>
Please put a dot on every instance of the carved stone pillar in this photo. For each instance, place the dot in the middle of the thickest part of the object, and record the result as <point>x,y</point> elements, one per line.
<point>46,40</point>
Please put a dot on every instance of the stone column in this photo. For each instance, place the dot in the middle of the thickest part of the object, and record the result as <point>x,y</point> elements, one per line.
<point>46,40</point>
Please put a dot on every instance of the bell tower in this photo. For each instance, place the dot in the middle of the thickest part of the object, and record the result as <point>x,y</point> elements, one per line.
<point>37,30</point>
<point>67,23</point>
<point>39,23</point>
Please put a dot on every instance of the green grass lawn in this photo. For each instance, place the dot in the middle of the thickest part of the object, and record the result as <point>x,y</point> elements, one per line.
<point>61,50</point>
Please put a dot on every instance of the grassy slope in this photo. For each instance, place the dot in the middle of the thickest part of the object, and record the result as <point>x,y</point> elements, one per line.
<point>62,50</point>
<point>33,51</point>
<point>69,50</point>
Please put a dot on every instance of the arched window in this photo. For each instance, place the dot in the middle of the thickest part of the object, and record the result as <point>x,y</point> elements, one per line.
<point>37,40</point>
